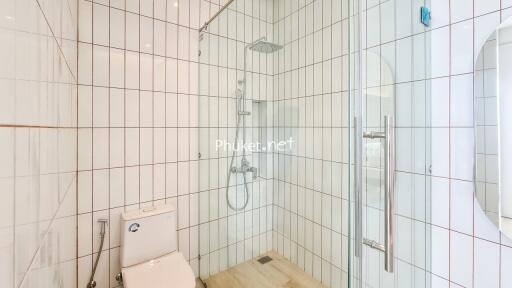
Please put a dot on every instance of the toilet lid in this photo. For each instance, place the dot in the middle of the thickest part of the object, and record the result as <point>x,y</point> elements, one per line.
<point>169,271</point>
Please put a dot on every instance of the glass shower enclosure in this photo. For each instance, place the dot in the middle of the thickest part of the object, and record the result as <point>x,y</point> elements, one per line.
<point>392,146</point>
<point>314,139</point>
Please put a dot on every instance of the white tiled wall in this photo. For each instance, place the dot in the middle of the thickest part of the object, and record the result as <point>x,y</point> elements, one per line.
<point>467,250</point>
<point>311,105</point>
<point>137,119</point>
<point>38,100</point>
<point>138,102</point>
<point>229,237</point>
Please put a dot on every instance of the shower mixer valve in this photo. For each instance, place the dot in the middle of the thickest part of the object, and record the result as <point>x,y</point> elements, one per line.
<point>244,168</point>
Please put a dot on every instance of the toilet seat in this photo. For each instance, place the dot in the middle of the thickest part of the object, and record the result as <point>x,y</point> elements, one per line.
<point>169,271</point>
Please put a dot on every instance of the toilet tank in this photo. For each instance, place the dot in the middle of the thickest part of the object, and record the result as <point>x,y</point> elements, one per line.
<point>147,234</point>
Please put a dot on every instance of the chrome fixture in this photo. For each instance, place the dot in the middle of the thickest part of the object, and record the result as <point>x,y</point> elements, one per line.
<point>103,223</point>
<point>389,183</point>
<point>244,168</point>
<point>389,186</point>
<point>262,46</point>
<point>374,244</point>
<point>205,25</point>
<point>119,278</point>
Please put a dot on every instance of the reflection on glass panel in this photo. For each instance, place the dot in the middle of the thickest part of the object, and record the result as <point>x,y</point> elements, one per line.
<point>486,183</point>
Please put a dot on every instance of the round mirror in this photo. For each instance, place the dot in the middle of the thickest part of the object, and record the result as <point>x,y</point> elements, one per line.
<point>493,127</point>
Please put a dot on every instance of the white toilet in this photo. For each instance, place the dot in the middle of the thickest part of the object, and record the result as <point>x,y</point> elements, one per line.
<point>149,256</point>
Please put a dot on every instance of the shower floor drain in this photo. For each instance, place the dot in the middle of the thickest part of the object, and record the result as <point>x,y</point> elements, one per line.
<point>264,260</point>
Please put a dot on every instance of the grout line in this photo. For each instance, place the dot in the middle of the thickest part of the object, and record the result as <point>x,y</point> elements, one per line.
<point>77,271</point>
<point>108,225</point>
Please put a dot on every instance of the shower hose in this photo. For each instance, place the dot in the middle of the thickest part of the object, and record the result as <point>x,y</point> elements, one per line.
<point>233,207</point>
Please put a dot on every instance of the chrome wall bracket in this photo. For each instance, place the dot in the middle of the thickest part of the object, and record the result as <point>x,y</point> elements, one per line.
<point>119,278</point>
<point>374,135</point>
<point>374,245</point>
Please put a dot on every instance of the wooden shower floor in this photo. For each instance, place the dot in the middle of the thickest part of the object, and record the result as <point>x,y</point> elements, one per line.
<point>275,274</point>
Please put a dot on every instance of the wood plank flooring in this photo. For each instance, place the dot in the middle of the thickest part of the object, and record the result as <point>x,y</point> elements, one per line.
<point>278,273</point>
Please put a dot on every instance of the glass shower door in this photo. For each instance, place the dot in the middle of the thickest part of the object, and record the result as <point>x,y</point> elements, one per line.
<point>391,136</point>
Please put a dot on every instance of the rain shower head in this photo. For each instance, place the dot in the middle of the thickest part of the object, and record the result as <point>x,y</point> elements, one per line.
<point>263,46</point>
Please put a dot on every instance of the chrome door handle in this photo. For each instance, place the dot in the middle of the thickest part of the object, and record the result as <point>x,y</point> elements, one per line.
<point>389,174</point>
<point>389,192</point>
<point>358,187</point>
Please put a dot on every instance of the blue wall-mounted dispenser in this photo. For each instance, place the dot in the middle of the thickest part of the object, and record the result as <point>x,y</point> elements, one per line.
<point>425,16</point>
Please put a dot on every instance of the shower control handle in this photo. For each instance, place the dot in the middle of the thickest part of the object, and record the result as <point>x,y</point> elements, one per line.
<point>244,168</point>
<point>254,171</point>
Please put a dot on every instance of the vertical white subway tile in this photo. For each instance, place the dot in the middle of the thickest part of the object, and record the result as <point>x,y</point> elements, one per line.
<point>146,8</point>
<point>461,251</point>
<point>172,11</point>
<point>117,188</point>
<point>484,7</point>
<point>100,107</point>
<point>442,12</point>
<point>84,149</point>
<point>132,32</point>
<point>85,63</point>
<point>183,77</point>
<point>461,47</point>
<point>461,101</point>
<point>440,52</point>
<point>117,28</point>
<point>132,185</point>
<point>159,37</point>
<point>117,108</point>
<point>84,234</point>
<point>461,206</point>
<point>132,5</point>
<point>132,146</point>
<point>146,34</point>
<point>100,189</point>
<point>506,264</point>
<point>487,259</point>
<point>117,68</point>
<point>440,252</point>
<point>146,183</point>
<point>146,146</point>
<point>116,147</point>
<point>100,148</point>
<point>100,22</point>
<point>440,152</point>
<point>184,13</point>
<point>100,65</point>
<point>460,10</point>
<point>85,23</point>
<point>462,154</point>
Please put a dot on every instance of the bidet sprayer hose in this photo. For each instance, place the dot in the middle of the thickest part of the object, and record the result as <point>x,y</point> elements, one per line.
<point>103,223</point>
